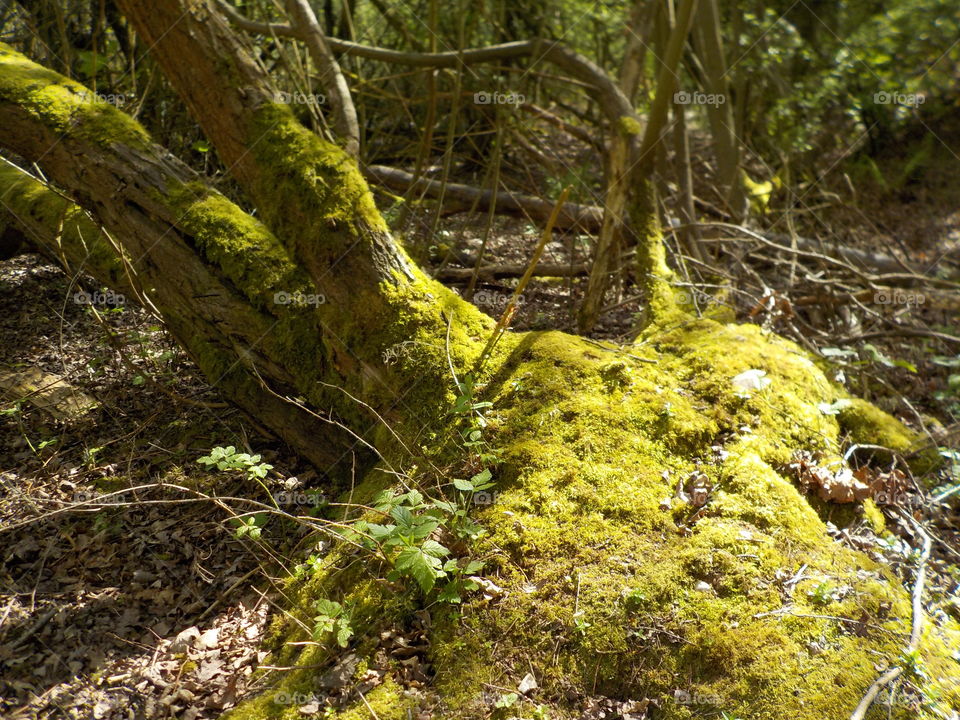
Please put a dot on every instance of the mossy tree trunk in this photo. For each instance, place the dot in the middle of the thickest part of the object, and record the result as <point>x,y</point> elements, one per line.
<point>613,585</point>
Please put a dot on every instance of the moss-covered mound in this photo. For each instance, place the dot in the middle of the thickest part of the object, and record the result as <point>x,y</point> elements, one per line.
<point>617,581</point>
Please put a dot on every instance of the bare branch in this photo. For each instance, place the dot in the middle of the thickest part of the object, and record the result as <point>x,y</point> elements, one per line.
<point>586,217</point>
<point>307,27</point>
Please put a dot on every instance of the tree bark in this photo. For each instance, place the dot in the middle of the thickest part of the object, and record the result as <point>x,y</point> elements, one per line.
<point>721,117</point>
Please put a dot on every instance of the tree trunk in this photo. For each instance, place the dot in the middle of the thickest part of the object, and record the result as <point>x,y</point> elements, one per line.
<point>720,113</point>
<point>641,535</point>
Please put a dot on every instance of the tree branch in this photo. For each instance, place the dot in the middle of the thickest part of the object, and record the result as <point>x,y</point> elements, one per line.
<point>345,114</point>
<point>572,215</point>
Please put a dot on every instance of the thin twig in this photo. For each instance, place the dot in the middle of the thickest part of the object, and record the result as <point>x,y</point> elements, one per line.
<point>916,630</point>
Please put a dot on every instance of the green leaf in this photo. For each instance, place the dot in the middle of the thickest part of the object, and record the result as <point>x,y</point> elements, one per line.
<point>421,567</point>
<point>905,365</point>
<point>413,499</point>
<point>434,549</point>
<point>329,608</point>
<point>832,352</point>
<point>321,626</point>
<point>448,508</point>
<point>450,594</point>
<point>344,633</point>
<point>482,481</point>
<point>482,477</point>
<point>424,527</point>
<point>464,485</point>
<point>403,516</point>
<point>380,532</point>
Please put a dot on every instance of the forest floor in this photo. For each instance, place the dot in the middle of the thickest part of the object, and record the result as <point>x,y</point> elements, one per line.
<point>127,592</point>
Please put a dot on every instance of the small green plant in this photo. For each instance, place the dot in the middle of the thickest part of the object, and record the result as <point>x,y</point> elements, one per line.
<point>913,665</point>
<point>506,701</point>
<point>634,599</point>
<point>580,624</point>
<point>249,526</point>
<point>541,712</point>
<point>90,456</point>
<point>415,536</point>
<point>332,620</point>
<point>409,542</point>
<point>822,594</point>
<point>104,523</point>
<point>468,409</point>
<point>876,356</point>
<point>314,562</point>
<point>479,483</point>
<point>228,459</point>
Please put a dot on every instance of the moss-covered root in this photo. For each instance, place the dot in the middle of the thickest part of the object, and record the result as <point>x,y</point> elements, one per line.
<point>616,586</point>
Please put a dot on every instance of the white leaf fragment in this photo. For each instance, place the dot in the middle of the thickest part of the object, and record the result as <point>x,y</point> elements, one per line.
<point>751,380</point>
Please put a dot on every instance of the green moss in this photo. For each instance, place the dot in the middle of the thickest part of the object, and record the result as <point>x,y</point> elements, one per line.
<point>243,248</point>
<point>386,702</point>
<point>609,590</point>
<point>63,105</point>
<point>325,199</point>
<point>27,201</point>
<point>866,423</point>
<point>874,516</point>
<point>630,126</point>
